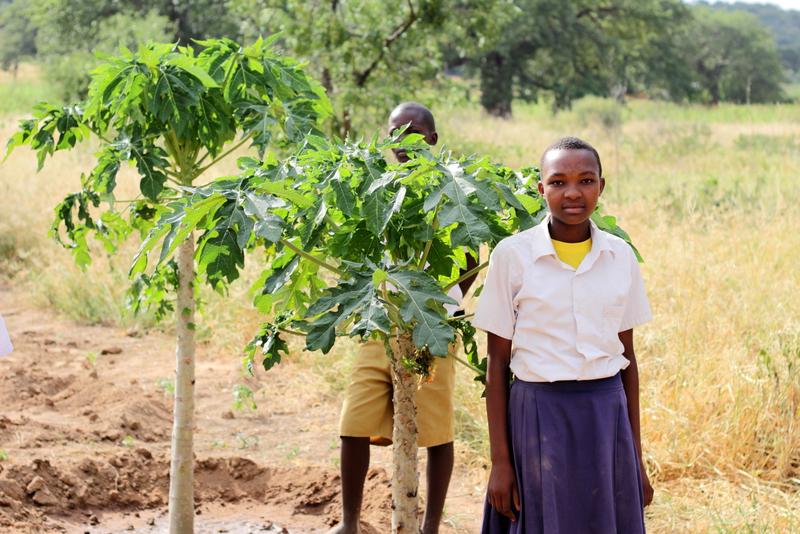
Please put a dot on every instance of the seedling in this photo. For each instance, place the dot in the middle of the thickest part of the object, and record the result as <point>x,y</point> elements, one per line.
<point>91,357</point>
<point>166,385</point>
<point>243,397</point>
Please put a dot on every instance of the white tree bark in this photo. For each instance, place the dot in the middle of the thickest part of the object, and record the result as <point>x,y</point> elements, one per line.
<point>181,480</point>
<point>405,483</point>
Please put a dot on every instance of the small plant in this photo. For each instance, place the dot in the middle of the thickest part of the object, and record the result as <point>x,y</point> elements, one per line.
<point>293,452</point>
<point>218,444</point>
<point>243,397</point>
<point>166,385</point>
<point>91,358</point>
<point>246,442</point>
<point>3,455</point>
<point>128,441</point>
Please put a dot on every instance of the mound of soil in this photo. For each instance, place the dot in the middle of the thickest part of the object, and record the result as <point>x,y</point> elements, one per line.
<point>85,429</point>
<point>54,494</point>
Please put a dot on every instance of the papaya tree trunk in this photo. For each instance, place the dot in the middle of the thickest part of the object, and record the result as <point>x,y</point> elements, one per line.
<point>181,480</point>
<point>405,519</point>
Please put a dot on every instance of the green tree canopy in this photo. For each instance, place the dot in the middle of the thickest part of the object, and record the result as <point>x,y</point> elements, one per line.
<point>734,57</point>
<point>368,55</point>
<point>568,48</point>
<point>17,33</point>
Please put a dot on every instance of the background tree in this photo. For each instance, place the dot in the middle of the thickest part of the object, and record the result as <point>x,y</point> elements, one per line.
<point>567,49</point>
<point>368,55</point>
<point>734,57</point>
<point>17,34</point>
<point>171,112</point>
<point>70,34</point>
<point>783,24</point>
<point>66,36</point>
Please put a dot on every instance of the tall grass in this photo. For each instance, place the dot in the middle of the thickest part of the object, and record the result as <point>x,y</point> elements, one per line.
<point>710,197</point>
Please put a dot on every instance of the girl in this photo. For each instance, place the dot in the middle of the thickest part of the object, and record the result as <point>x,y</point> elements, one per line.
<point>5,342</point>
<point>559,305</point>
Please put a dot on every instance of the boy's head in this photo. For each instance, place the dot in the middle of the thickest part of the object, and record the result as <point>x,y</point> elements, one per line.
<point>419,120</point>
<point>571,179</point>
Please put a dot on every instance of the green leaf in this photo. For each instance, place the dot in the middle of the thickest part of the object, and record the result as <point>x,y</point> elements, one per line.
<point>531,204</point>
<point>258,207</point>
<point>378,212</point>
<point>322,332</point>
<point>345,199</point>
<point>372,317</point>
<point>471,230</point>
<point>189,65</point>
<point>151,162</point>
<point>422,305</point>
<point>378,277</point>
<point>266,345</point>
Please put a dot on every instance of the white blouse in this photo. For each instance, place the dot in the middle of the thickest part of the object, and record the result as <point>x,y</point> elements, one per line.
<point>5,342</point>
<point>563,322</point>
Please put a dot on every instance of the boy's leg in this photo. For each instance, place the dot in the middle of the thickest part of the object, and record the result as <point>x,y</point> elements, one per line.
<point>435,422</point>
<point>354,466</point>
<point>440,467</point>
<point>366,418</point>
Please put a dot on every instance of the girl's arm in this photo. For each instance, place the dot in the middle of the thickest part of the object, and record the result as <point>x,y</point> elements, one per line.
<point>503,491</point>
<point>630,381</point>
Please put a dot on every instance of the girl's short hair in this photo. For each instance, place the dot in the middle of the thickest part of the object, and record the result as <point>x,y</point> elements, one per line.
<point>573,143</point>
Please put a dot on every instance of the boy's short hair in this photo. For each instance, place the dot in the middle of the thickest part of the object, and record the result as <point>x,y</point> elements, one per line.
<point>573,143</point>
<point>422,112</point>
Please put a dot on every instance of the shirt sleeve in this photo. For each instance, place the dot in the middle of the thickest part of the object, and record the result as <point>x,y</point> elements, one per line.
<point>637,308</point>
<point>456,294</point>
<point>496,312</point>
<point>5,342</point>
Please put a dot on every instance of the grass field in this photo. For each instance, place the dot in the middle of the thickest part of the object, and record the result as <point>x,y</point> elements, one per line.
<point>709,196</point>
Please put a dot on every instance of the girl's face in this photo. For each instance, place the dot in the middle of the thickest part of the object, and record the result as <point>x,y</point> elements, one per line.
<point>571,184</point>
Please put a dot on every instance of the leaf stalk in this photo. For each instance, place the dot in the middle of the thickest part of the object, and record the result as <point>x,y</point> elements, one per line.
<point>468,274</point>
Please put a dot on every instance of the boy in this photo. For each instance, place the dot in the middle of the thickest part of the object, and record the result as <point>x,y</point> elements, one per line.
<point>367,412</point>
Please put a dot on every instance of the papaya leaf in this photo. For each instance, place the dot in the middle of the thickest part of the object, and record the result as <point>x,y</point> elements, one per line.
<point>268,346</point>
<point>422,304</point>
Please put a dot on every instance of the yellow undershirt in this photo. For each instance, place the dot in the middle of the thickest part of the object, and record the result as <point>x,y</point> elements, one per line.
<point>572,253</point>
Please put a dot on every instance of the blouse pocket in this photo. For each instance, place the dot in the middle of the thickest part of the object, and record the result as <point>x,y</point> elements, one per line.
<point>612,316</point>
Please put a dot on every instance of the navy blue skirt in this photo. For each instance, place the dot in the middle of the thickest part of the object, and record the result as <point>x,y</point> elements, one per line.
<point>575,460</point>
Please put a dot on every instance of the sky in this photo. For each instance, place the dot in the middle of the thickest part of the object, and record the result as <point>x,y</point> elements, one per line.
<point>785,4</point>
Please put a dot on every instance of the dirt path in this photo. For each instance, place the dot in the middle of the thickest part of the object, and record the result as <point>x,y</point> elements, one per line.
<point>85,425</point>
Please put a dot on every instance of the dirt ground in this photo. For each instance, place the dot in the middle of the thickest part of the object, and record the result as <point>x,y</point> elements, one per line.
<point>85,424</point>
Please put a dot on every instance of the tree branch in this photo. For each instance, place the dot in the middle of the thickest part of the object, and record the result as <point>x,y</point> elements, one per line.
<point>593,12</point>
<point>465,363</point>
<point>361,77</point>
<point>435,224</point>
<point>291,332</point>
<point>223,155</point>
<point>313,259</point>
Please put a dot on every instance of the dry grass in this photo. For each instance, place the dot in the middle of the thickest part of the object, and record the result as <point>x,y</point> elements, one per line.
<point>710,198</point>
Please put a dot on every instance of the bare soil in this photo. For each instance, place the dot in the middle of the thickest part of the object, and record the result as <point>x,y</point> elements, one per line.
<point>85,427</point>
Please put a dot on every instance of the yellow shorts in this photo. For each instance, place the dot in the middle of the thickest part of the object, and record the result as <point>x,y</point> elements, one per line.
<point>368,411</point>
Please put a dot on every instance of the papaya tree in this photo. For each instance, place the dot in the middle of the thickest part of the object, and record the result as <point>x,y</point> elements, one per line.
<point>364,248</point>
<point>174,113</point>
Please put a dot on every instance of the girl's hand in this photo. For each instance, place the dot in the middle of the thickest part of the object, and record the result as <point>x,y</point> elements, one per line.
<point>646,486</point>
<point>503,493</point>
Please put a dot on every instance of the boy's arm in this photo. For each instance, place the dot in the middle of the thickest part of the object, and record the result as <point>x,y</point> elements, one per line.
<point>630,381</point>
<point>465,284</point>
<point>503,491</point>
